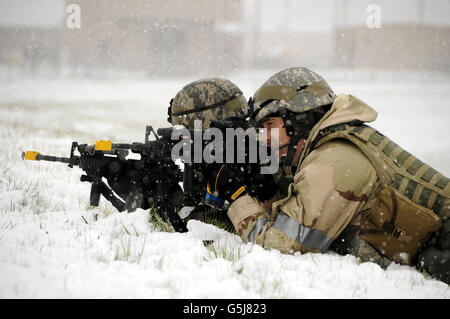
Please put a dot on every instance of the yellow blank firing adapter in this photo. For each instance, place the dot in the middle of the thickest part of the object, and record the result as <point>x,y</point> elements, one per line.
<point>103,145</point>
<point>30,155</point>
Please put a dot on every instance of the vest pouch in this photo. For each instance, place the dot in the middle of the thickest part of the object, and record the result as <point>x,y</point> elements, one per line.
<point>396,226</point>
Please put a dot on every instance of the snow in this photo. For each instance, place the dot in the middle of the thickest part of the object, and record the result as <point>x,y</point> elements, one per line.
<point>53,245</point>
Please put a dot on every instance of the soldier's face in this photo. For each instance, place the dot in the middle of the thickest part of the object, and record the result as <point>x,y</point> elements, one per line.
<point>276,122</point>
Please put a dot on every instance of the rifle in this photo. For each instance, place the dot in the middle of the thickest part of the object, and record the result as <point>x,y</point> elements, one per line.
<point>151,180</point>
<point>195,174</point>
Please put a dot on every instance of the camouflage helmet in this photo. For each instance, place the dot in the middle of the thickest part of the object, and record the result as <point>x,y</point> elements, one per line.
<point>207,99</point>
<point>295,89</point>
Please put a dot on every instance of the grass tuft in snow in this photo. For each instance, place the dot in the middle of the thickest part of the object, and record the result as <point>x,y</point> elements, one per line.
<point>127,252</point>
<point>158,223</point>
<point>232,252</point>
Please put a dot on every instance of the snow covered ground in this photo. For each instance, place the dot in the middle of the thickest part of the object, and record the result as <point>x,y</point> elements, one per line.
<point>54,245</point>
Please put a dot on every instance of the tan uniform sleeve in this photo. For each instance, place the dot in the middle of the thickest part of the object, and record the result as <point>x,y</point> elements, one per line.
<point>333,184</point>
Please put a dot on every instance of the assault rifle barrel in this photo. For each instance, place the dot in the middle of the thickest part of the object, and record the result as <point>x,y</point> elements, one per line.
<point>36,156</point>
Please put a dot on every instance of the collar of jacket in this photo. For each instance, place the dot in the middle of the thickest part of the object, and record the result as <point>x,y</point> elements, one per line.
<point>346,108</point>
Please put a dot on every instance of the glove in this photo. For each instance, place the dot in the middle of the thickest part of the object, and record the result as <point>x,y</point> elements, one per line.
<point>261,186</point>
<point>224,184</point>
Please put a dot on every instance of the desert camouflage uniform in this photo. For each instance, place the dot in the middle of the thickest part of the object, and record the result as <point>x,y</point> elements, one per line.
<point>337,185</point>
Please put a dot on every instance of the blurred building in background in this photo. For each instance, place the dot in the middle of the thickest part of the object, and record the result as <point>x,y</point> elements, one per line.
<point>31,36</point>
<point>214,37</point>
<point>413,35</point>
<point>160,37</point>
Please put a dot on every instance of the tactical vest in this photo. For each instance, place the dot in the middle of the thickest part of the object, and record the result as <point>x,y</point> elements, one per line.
<point>411,200</point>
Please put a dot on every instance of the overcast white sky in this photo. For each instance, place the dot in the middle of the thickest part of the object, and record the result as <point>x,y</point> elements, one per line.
<point>294,15</point>
<point>32,12</point>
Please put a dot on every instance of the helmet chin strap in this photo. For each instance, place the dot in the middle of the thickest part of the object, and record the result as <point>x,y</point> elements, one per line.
<point>287,159</point>
<point>297,127</point>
